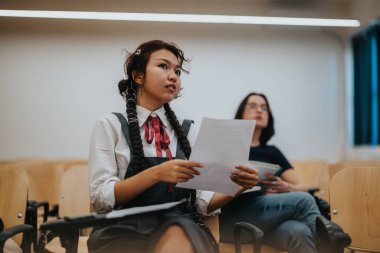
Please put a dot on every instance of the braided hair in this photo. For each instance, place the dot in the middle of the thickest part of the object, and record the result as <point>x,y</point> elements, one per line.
<point>136,63</point>
<point>178,130</point>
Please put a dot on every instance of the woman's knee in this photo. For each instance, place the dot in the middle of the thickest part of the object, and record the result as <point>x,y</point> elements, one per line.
<point>304,198</point>
<point>174,239</point>
<point>175,231</point>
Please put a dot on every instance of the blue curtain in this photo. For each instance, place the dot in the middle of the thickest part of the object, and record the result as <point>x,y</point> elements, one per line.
<point>366,51</point>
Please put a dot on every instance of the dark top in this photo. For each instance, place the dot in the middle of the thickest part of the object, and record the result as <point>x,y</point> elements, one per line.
<point>269,154</point>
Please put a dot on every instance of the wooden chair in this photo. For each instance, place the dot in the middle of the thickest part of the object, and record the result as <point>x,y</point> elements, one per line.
<point>74,200</point>
<point>13,195</point>
<point>355,205</point>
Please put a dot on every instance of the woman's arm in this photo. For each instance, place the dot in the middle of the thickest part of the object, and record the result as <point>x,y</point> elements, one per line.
<point>294,181</point>
<point>289,181</point>
<point>174,171</point>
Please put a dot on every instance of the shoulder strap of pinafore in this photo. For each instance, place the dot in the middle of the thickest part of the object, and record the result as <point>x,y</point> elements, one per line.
<point>124,128</point>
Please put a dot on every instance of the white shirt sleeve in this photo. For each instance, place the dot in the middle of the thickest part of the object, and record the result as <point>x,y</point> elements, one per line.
<point>203,200</point>
<point>102,164</point>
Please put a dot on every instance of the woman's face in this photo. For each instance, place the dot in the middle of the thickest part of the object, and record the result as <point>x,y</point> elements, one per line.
<point>161,82</point>
<point>257,109</point>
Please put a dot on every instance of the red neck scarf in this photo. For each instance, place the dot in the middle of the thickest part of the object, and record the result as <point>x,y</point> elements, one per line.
<point>154,130</point>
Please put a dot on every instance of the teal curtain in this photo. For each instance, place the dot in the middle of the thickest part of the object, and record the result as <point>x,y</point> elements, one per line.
<point>365,47</point>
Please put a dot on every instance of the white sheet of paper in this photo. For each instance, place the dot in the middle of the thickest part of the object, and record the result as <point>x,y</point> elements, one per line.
<point>263,168</point>
<point>143,209</point>
<point>221,144</point>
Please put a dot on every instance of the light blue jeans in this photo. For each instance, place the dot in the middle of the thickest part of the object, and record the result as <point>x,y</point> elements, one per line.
<point>287,219</point>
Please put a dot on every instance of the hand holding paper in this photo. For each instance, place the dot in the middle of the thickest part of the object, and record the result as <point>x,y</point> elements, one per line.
<point>265,169</point>
<point>269,176</point>
<point>220,146</point>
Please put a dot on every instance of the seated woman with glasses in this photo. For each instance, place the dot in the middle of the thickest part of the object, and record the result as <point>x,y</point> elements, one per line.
<point>256,106</point>
<point>282,209</point>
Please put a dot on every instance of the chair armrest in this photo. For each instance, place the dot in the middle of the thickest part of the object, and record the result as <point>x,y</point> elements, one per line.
<point>32,216</point>
<point>256,233</point>
<point>34,205</point>
<point>12,231</point>
<point>313,190</point>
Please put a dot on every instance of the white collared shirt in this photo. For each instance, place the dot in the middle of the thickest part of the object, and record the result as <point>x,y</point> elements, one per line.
<point>110,156</point>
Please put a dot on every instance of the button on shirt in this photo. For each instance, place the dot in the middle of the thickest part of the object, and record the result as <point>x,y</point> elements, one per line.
<point>110,156</point>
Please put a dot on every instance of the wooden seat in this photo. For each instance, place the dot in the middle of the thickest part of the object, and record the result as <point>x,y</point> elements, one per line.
<point>13,195</point>
<point>74,200</point>
<point>355,205</point>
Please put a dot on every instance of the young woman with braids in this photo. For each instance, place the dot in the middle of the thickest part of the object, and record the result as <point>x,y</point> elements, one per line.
<point>137,157</point>
<point>283,210</point>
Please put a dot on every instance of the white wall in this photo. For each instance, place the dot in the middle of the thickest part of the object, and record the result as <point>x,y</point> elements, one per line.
<point>58,77</point>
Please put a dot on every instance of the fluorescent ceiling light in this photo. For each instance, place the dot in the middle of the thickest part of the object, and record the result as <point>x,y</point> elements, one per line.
<point>187,18</point>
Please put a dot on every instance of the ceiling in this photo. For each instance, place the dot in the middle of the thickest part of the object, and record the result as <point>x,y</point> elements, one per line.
<point>363,10</point>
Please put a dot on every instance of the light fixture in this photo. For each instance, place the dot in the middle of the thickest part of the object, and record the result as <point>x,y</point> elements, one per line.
<point>187,18</point>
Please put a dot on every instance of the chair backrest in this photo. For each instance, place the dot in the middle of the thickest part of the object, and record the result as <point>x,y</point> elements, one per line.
<point>13,195</point>
<point>314,173</point>
<point>45,177</point>
<point>335,167</point>
<point>67,163</point>
<point>74,191</point>
<point>355,205</point>
<point>43,180</point>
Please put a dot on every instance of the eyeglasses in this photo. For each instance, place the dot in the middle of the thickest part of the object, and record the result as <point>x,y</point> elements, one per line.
<point>253,106</point>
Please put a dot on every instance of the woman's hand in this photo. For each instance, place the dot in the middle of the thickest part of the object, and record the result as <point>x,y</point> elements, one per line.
<point>244,176</point>
<point>176,171</point>
<point>275,185</point>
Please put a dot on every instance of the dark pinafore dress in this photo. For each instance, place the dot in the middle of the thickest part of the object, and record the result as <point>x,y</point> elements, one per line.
<point>140,235</point>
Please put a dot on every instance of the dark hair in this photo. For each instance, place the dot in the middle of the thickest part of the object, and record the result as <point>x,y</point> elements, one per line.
<point>267,132</point>
<point>136,62</point>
